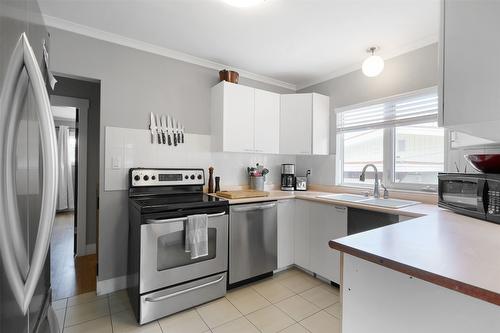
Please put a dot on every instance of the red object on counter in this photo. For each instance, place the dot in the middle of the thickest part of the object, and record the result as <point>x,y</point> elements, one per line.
<point>487,163</point>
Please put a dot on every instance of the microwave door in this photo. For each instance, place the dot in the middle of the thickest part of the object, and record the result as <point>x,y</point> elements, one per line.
<point>462,195</point>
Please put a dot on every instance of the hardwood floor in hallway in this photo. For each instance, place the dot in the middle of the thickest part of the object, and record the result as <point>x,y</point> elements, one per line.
<point>70,276</point>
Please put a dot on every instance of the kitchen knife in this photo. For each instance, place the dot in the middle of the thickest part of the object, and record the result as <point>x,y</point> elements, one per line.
<point>158,129</point>
<point>168,131</point>
<point>163,128</point>
<point>173,131</point>
<point>152,127</point>
<point>182,134</point>
<point>178,127</point>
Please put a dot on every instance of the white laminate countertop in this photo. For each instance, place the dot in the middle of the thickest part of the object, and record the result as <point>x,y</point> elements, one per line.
<point>451,250</point>
<point>410,211</point>
<point>447,249</point>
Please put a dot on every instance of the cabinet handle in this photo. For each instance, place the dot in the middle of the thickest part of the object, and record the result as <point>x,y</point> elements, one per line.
<point>340,208</point>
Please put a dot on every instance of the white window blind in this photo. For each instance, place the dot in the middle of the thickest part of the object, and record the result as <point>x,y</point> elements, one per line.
<point>413,108</point>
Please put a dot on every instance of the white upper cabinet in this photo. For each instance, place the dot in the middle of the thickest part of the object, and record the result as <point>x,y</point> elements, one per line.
<point>233,117</point>
<point>470,49</point>
<point>244,119</point>
<point>267,122</point>
<point>304,124</point>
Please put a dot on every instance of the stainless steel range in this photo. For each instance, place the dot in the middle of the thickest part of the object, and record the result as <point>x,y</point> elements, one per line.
<point>163,279</point>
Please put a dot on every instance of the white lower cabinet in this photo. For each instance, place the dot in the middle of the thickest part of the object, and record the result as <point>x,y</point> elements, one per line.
<point>286,214</point>
<point>304,230</point>
<point>327,222</point>
<point>301,234</point>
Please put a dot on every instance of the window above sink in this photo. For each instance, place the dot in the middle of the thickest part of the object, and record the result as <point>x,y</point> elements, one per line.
<point>399,135</point>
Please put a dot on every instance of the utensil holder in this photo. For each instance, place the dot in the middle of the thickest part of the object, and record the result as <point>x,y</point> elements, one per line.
<point>257,183</point>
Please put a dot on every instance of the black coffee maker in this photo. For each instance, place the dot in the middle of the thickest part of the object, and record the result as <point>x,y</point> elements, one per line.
<point>287,177</point>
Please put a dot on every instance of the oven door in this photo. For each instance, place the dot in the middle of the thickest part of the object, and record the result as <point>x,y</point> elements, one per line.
<point>164,261</point>
<point>463,194</point>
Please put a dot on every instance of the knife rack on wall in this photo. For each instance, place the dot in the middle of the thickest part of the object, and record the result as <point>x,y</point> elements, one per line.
<point>165,130</point>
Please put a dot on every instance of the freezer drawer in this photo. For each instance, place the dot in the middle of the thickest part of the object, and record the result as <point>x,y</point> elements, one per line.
<point>167,301</point>
<point>253,240</point>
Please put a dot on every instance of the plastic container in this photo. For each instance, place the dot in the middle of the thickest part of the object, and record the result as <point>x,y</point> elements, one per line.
<point>257,183</point>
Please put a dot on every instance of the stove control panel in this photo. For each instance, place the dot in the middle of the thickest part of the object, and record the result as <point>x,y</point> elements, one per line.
<point>166,177</point>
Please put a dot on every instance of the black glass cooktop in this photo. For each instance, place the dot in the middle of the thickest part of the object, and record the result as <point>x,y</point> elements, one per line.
<point>170,202</point>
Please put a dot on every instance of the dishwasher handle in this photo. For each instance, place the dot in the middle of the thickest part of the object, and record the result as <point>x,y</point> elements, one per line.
<point>253,207</point>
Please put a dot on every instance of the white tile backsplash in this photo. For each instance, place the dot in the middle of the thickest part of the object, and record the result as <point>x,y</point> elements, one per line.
<point>133,148</point>
<point>322,168</point>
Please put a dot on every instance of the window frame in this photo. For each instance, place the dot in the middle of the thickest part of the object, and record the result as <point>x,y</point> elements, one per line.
<point>389,145</point>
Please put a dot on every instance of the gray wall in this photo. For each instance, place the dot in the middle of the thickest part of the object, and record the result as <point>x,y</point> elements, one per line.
<point>408,72</point>
<point>91,91</point>
<point>134,83</point>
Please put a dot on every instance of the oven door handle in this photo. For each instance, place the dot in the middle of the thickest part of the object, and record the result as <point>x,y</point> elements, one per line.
<point>180,219</point>
<point>180,292</point>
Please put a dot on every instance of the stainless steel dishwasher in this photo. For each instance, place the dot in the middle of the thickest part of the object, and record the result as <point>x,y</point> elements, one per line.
<point>253,240</point>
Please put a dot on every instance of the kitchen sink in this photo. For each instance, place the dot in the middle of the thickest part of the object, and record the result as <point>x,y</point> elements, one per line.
<point>343,197</point>
<point>389,203</point>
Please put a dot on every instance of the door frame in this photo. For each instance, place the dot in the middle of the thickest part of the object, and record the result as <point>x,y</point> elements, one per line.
<point>83,106</point>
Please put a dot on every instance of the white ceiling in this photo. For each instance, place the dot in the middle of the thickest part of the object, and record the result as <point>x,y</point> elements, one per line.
<point>295,41</point>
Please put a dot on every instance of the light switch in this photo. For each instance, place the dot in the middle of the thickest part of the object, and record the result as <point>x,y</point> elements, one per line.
<point>116,162</point>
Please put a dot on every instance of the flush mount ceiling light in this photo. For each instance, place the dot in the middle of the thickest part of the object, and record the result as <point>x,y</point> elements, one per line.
<point>373,65</point>
<point>244,3</point>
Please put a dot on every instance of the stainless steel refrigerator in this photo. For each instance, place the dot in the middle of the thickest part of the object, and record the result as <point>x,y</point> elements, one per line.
<point>28,171</point>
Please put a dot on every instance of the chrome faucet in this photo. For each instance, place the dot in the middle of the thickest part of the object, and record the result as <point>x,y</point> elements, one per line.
<point>376,192</point>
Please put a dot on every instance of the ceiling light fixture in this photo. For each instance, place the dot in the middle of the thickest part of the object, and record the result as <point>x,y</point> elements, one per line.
<point>373,65</point>
<point>244,3</point>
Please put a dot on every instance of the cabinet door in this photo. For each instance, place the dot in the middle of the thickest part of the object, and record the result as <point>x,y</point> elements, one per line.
<point>267,122</point>
<point>327,222</point>
<point>321,125</point>
<point>471,83</point>
<point>238,116</point>
<point>286,214</point>
<point>301,234</point>
<point>296,124</point>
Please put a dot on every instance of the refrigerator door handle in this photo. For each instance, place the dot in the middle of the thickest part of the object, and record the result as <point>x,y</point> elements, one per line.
<point>14,221</point>
<point>23,57</point>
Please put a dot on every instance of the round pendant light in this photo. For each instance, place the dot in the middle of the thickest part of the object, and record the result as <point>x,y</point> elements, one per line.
<point>244,3</point>
<point>373,65</point>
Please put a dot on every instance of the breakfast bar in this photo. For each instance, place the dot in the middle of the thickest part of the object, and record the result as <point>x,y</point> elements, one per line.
<point>447,262</point>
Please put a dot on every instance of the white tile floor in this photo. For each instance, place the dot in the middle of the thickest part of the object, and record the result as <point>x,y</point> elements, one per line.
<point>290,302</point>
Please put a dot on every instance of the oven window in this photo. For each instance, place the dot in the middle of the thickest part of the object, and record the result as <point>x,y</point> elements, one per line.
<point>171,252</point>
<point>460,193</point>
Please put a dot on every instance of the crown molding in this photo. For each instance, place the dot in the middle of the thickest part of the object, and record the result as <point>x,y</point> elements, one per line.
<point>84,30</point>
<point>385,55</point>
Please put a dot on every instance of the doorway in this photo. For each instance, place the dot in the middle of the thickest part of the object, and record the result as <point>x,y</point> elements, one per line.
<point>73,269</point>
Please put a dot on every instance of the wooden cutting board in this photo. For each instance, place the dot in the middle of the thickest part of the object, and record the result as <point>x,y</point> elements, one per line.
<point>242,194</point>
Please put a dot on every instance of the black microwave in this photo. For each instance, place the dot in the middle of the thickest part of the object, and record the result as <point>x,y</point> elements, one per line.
<point>476,195</point>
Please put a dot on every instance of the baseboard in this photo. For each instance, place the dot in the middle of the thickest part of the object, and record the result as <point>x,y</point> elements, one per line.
<point>91,249</point>
<point>111,285</point>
